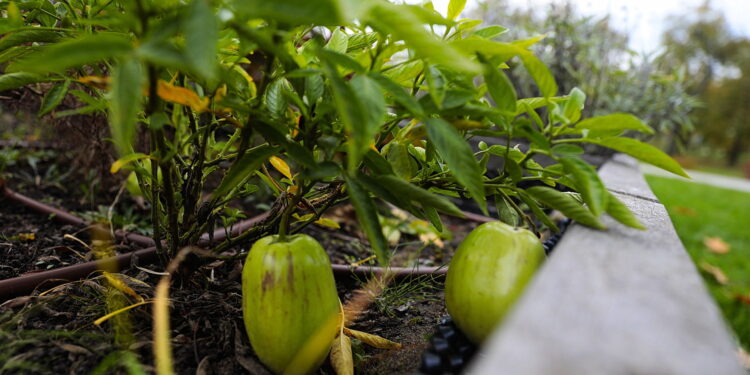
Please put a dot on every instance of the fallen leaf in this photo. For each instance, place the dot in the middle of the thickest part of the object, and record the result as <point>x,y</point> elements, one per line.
<point>685,211</point>
<point>341,355</point>
<point>716,272</point>
<point>26,236</point>
<point>716,245</point>
<point>372,340</point>
<point>744,358</point>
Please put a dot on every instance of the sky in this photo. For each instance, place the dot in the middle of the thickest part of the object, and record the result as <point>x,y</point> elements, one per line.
<point>643,19</point>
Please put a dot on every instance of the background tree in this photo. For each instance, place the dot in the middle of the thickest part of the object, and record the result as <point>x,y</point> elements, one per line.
<point>587,52</point>
<point>718,66</point>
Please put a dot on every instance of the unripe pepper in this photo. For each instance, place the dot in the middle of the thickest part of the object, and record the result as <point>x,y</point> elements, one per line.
<point>488,272</point>
<point>288,295</point>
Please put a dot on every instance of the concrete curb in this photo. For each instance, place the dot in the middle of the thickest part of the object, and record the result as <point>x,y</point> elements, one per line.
<point>620,301</point>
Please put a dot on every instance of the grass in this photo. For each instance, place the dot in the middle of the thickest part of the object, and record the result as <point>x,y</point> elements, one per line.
<point>699,211</point>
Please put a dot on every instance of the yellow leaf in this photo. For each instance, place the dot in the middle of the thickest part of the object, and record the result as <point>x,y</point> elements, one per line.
<point>26,236</point>
<point>116,312</point>
<point>120,285</point>
<point>125,160</point>
<point>716,272</point>
<point>328,223</point>
<point>372,340</point>
<point>716,245</point>
<point>305,217</point>
<point>280,165</point>
<point>95,81</point>
<point>341,355</point>
<point>182,96</point>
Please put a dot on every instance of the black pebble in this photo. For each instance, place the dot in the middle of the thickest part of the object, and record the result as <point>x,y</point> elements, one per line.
<point>431,363</point>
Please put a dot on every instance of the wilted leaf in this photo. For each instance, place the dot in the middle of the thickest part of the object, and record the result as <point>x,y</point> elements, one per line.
<point>372,340</point>
<point>280,165</point>
<point>716,245</point>
<point>26,236</point>
<point>100,82</point>
<point>716,272</point>
<point>341,355</point>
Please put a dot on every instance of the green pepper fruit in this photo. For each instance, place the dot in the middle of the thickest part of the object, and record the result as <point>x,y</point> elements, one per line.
<point>487,274</point>
<point>288,296</point>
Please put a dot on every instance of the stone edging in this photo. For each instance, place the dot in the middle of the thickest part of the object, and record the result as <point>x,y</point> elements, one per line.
<point>620,301</point>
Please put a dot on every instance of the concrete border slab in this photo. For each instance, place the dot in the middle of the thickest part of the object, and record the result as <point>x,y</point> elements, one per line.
<point>620,301</point>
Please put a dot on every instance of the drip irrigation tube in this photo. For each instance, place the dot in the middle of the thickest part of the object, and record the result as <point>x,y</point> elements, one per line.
<point>28,282</point>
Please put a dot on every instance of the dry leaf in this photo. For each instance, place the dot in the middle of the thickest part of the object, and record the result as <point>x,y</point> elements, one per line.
<point>364,296</point>
<point>744,358</point>
<point>26,236</point>
<point>372,340</point>
<point>341,355</point>
<point>716,272</point>
<point>280,165</point>
<point>118,284</point>
<point>685,211</point>
<point>743,299</point>
<point>716,245</point>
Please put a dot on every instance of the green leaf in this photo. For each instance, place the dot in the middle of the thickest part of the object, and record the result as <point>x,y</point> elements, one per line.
<point>398,155</point>
<point>201,30</point>
<point>589,184</point>
<point>367,215</point>
<point>361,105</point>
<point>28,36</point>
<point>372,110</point>
<point>574,104</point>
<point>377,163</point>
<point>343,60</point>
<point>434,218</point>
<point>401,22</point>
<point>534,207</point>
<point>274,98</point>
<point>612,125</point>
<point>473,45</point>
<point>401,188</point>
<point>459,157</point>
<point>565,204</point>
<point>641,151</point>
<point>500,88</point>
<point>505,212</point>
<point>54,97</point>
<point>399,94</point>
<point>73,53</point>
<point>15,80</point>
<point>301,12</point>
<point>436,84</point>
<point>567,149</point>
<point>455,7</point>
<point>243,168</point>
<point>126,92</point>
<point>540,73</point>
<point>338,42</point>
<point>490,31</point>
<point>620,212</point>
<point>314,88</point>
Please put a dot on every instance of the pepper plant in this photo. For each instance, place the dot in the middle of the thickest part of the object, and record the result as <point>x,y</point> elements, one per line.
<point>357,100</point>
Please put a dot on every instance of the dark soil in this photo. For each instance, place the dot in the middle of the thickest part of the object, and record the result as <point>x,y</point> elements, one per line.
<point>54,333</point>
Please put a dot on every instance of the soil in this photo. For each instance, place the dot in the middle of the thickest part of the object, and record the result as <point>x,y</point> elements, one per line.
<point>52,331</point>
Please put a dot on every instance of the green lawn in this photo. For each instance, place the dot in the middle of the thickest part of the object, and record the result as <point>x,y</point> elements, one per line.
<point>700,211</point>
